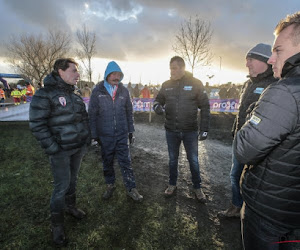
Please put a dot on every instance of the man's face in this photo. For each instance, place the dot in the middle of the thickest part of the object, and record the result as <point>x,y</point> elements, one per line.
<point>176,71</point>
<point>70,75</point>
<point>255,66</point>
<point>114,78</point>
<point>283,49</point>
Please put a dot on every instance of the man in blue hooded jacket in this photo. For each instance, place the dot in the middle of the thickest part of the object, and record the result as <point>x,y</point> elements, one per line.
<point>111,123</point>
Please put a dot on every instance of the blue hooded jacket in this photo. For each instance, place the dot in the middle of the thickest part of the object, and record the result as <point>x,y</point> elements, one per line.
<point>110,117</point>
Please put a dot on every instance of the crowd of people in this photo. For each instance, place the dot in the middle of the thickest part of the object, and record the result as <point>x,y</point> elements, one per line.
<point>266,132</point>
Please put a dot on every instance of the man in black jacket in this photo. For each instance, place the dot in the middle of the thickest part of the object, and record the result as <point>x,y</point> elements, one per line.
<point>269,143</point>
<point>261,76</point>
<point>59,121</point>
<point>181,97</point>
<point>111,122</point>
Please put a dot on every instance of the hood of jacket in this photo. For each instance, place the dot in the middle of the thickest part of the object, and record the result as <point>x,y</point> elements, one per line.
<point>55,81</point>
<point>112,67</point>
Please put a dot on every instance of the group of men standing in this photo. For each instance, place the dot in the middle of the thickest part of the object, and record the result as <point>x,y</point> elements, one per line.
<point>266,136</point>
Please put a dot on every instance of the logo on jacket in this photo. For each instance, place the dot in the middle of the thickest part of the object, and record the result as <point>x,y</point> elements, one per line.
<point>255,120</point>
<point>258,90</point>
<point>188,88</point>
<point>62,101</point>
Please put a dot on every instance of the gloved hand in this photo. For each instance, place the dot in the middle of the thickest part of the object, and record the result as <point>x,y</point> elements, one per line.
<point>202,135</point>
<point>131,138</point>
<point>158,109</point>
<point>95,142</point>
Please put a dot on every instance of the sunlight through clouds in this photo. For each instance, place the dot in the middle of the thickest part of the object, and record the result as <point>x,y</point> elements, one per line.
<point>106,10</point>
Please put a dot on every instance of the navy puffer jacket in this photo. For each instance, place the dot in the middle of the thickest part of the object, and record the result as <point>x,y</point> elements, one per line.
<point>110,117</point>
<point>270,144</point>
<point>58,117</point>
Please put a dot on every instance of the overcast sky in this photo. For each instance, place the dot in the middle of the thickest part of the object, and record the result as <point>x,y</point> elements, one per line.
<point>139,34</point>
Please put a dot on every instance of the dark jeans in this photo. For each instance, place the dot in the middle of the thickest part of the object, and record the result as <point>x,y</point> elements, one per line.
<point>190,142</point>
<point>235,175</point>
<point>260,234</point>
<point>65,166</point>
<point>111,146</point>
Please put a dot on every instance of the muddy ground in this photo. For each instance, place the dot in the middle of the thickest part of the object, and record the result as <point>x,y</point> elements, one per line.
<point>150,162</point>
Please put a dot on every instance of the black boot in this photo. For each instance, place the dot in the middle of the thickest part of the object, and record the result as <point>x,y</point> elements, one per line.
<point>57,227</point>
<point>71,207</point>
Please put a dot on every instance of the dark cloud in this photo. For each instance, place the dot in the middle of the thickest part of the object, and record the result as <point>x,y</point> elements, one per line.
<point>142,29</point>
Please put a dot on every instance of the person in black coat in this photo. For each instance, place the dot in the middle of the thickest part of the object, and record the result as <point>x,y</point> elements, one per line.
<point>269,143</point>
<point>59,121</point>
<point>180,98</point>
<point>261,76</point>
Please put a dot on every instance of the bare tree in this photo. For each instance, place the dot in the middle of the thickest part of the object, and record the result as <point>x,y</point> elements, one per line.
<point>33,56</point>
<point>87,42</point>
<point>192,42</point>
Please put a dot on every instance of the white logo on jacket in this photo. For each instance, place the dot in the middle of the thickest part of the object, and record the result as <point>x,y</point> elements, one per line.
<point>62,101</point>
<point>189,88</point>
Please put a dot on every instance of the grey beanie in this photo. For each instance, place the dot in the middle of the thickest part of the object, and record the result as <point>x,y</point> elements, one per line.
<point>261,52</point>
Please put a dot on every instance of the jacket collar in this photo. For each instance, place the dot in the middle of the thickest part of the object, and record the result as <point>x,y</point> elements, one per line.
<point>263,75</point>
<point>291,66</point>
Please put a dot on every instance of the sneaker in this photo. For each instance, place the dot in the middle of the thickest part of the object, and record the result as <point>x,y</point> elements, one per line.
<point>231,212</point>
<point>110,188</point>
<point>134,194</point>
<point>200,196</point>
<point>170,190</point>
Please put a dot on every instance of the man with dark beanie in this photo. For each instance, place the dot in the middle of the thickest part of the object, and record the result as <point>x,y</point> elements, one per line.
<point>59,121</point>
<point>269,143</point>
<point>261,76</point>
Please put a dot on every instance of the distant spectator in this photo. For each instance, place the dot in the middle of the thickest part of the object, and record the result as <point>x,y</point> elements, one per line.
<point>2,96</point>
<point>86,91</point>
<point>232,92</point>
<point>207,89</point>
<point>154,92</point>
<point>7,88</point>
<point>77,91</point>
<point>16,94</point>
<point>136,91</point>
<point>223,93</point>
<point>130,89</point>
<point>29,89</point>
<point>23,93</point>
<point>145,92</point>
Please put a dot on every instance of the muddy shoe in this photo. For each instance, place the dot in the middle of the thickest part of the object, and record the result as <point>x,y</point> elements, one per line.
<point>110,188</point>
<point>170,191</point>
<point>134,194</point>
<point>200,196</point>
<point>231,212</point>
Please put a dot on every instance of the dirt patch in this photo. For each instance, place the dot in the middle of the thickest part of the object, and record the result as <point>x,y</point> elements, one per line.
<point>150,162</point>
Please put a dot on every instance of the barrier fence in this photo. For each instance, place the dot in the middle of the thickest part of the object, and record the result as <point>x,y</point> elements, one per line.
<point>21,112</point>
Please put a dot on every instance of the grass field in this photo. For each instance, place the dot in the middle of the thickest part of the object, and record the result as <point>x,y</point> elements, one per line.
<point>120,223</point>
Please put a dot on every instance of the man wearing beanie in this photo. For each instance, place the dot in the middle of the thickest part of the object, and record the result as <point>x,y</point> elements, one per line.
<point>269,143</point>
<point>261,76</point>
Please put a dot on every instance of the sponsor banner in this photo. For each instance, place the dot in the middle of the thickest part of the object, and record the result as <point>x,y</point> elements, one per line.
<point>142,104</point>
<point>224,105</point>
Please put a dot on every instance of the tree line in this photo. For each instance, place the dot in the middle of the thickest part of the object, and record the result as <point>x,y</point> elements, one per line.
<point>33,55</point>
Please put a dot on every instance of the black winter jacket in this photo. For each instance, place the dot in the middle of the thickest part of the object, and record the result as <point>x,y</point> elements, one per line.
<point>250,94</point>
<point>58,117</point>
<point>270,143</point>
<point>181,100</point>
<point>108,117</point>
